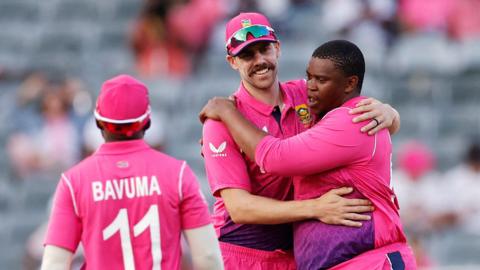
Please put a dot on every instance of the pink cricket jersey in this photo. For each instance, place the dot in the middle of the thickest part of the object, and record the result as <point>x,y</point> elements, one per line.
<point>127,204</point>
<point>228,167</point>
<point>334,153</point>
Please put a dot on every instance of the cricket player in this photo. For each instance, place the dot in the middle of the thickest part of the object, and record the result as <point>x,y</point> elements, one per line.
<point>331,154</point>
<point>128,203</point>
<point>253,209</point>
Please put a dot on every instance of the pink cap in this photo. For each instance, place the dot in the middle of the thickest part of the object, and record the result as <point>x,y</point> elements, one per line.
<point>416,159</point>
<point>243,20</point>
<point>123,100</point>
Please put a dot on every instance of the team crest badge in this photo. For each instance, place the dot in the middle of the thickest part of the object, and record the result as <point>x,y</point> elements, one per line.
<point>246,23</point>
<point>304,114</point>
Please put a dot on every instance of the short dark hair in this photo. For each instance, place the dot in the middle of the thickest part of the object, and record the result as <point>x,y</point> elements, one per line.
<point>346,56</point>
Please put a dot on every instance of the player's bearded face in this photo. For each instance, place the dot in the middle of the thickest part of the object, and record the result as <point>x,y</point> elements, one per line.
<point>257,64</point>
<point>326,86</point>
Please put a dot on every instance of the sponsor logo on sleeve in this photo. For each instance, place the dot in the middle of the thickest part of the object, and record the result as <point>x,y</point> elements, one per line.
<point>218,151</point>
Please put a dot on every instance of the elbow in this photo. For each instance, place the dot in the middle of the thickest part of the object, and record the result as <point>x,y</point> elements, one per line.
<point>238,215</point>
<point>241,213</point>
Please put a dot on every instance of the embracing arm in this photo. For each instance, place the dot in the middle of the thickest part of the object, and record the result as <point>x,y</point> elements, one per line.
<point>385,114</point>
<point>247,136</point>
<point>330,208</point>
<point>332,143</point>
<point>228,178</point>
<point>244,133</point>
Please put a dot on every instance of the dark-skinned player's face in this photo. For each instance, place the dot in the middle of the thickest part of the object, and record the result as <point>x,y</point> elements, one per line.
<point>327,86</point>
<point>257,64</point>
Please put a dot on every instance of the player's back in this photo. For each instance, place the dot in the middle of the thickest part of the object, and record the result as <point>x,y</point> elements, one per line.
<point>128,198</point>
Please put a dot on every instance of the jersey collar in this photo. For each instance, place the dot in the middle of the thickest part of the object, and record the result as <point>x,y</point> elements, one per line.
<point>122,147</point>
<point>245,97</point>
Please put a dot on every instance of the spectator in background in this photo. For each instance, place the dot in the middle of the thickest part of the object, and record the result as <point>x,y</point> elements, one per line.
<point>424,16</point>
<point>371,21</point>
<point>48,143</point>
<point>463,21</point>
<point>170,37</point>
<point>371,24</point>
<point>464,180</point>
<point>456,19</point>
<point>455,239</point>
<point>414,181</point>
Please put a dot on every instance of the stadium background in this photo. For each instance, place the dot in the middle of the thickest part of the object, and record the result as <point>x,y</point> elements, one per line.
<point>421,57</point>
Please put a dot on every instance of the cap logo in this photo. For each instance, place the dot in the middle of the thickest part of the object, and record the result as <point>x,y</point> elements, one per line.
<point>246,23</point>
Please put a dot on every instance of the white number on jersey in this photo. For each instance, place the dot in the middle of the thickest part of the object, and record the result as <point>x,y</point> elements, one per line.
<point>120,223</point>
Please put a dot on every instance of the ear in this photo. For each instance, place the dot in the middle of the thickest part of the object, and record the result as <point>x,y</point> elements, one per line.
<point>277,48</point>
<point>352,84</point>
<point>99,126</point>
<point>102,131</point>
<point>232,61</point>
<point>147,125</point>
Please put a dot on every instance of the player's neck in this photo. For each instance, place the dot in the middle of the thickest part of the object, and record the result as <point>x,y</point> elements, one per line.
<point>272,95</point>
<point>111,137</point>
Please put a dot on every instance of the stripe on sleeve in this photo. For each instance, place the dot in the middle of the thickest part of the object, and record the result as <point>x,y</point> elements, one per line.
<point>69,185</point>
<point>180,180</point>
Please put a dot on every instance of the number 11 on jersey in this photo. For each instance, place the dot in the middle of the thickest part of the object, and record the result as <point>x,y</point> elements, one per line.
<point>120,223</point>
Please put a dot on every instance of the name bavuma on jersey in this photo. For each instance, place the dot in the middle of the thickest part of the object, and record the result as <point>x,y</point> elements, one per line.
<point>132,187</point>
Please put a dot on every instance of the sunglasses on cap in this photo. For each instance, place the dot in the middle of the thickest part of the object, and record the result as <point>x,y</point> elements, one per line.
<point>123,129</point>
<point>240,36</point>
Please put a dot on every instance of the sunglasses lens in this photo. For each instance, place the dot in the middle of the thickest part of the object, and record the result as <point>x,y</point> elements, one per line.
<point>256,31</point>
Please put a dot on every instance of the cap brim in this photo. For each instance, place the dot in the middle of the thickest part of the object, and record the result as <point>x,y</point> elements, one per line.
<point>238,49</point>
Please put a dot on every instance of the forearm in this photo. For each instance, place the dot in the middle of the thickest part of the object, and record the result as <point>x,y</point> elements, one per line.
<point>56,258</point>
<point>204,248</point>
<point>253,209</point>
<point>246,135</point>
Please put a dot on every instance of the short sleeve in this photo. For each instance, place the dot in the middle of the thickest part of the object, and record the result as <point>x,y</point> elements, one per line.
<point>194,208</point>
<point>224,163</point>
<point>65,226</point>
